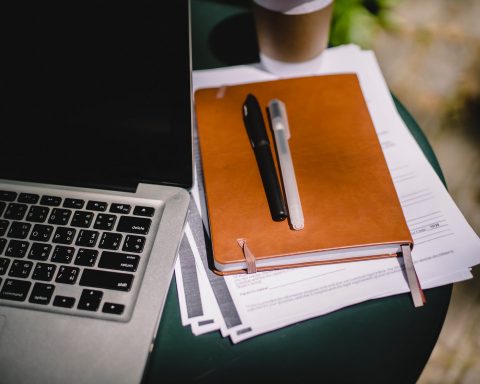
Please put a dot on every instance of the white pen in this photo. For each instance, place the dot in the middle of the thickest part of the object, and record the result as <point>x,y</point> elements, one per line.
<point>281,131</point>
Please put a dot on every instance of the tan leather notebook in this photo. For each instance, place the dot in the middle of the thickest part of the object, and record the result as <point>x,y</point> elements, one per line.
<point>350,206</point>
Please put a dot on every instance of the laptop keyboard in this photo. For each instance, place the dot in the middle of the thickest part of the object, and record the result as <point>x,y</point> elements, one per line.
<point>82,254</point>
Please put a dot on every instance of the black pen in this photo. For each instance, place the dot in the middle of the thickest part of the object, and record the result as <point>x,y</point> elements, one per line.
<point>255,126</point>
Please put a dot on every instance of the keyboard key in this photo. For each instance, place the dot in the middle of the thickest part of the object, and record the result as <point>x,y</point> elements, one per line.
<point>28,198</point>
<point>86,257</point>
<point>4,263</point>
<point>134,243</point>
<point>41,293</point>
<point>16,248</point>
<point>87,238</point>
<point>19,230</point>
<point>41,232</point>
<point>64,301</point>
<point>64,235</point>
<point>3,243</point>
<point>120,208</point>
<point>67,275</point>
<point>39,251</point>
<point>62,254</point>
<point>3,226</point>
<point>114,309</point>
<point>106,279</point>
<point>82,219</point>
<point>97,206</point>
<point>8,196</point>
<point>144,211</point>
<point>15,211</point>
<point>60,216</point>
<point>52,201</point>
<point>119,261</point>
<point>16,290</point>
<point>105,222</point>
<point>90,300</point>
<point>20,268</point>
<point>44,272</point>
<point>74,203</point>
<point>136,225</point>
<point>37,214</point>
<point>2,207</point>
<point>110,240</point>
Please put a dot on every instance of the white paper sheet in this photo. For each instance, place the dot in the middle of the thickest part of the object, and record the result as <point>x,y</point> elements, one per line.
<point>196,307</point>
<point>445,245</point>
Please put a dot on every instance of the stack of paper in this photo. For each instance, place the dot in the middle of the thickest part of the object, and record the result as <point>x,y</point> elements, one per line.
<point>242,306</point>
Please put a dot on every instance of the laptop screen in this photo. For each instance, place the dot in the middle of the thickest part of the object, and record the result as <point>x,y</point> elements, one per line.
<point>96,96</point>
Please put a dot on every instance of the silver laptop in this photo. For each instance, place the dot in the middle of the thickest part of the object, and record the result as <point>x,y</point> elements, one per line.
<point>95,167</point>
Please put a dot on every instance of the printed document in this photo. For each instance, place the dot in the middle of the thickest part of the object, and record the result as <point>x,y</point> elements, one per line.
<point>242,306</point>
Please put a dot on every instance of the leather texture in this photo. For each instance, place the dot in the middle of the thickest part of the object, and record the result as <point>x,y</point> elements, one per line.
<point>346,190</point>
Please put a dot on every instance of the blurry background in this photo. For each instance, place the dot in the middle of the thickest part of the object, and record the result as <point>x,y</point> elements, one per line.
<point>429,52</point>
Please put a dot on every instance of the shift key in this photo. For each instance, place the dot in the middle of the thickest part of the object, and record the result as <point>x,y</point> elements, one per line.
<point>131,224</point>
<point>106,280</point>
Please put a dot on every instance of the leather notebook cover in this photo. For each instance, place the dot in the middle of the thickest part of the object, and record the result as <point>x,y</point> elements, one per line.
<point>346,191</point>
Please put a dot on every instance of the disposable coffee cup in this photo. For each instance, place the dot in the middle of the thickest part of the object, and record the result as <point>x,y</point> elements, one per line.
<point>292,34</point>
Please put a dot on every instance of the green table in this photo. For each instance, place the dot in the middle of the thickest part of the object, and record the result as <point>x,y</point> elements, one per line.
<point>380,341</point>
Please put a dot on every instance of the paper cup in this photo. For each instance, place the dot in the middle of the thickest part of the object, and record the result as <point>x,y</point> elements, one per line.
<point>292,34</point>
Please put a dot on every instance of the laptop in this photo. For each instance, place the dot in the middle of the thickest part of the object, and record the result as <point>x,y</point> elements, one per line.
<point>95,167</point>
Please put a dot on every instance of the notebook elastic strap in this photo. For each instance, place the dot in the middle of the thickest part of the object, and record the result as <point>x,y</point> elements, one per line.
<point>412,279</point>
<point>249,257</point>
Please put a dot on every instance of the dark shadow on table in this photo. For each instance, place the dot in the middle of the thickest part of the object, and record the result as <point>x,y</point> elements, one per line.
<point>233,41</point>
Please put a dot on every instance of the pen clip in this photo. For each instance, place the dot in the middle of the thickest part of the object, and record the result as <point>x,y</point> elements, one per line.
<point>278,116</point>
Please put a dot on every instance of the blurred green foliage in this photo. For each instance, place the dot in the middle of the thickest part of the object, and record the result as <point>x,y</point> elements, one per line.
<point>356,21</point>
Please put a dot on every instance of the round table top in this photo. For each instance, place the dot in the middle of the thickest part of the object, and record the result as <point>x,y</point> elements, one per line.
<point>385,340</point>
